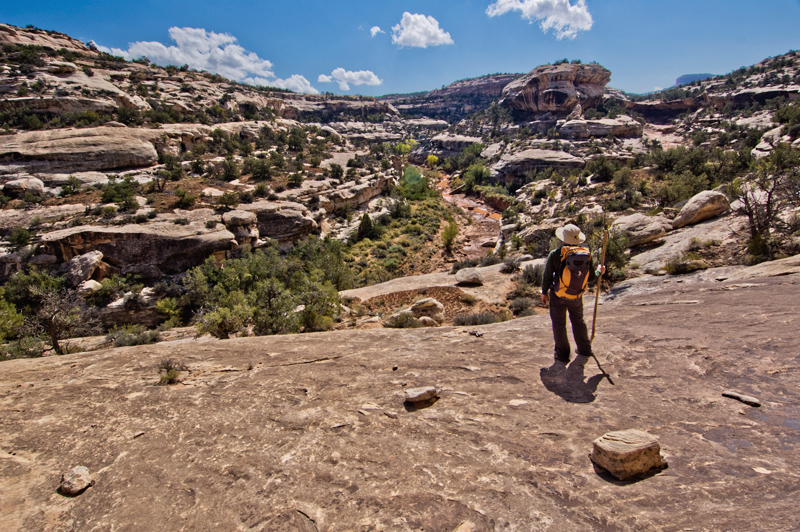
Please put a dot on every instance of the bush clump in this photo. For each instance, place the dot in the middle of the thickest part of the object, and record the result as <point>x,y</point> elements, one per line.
<point>475,318</point>
<point>403,320</point>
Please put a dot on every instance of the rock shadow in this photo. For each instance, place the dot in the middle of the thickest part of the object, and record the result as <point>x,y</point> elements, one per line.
<point>419,405</point>
<point>611,479</point>
<point>569,381</point>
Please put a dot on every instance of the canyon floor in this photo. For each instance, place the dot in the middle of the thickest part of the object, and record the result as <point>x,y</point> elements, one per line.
<point>310,432</point>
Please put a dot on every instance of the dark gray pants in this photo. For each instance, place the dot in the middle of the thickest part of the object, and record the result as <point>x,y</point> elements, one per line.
<point>559,307</point>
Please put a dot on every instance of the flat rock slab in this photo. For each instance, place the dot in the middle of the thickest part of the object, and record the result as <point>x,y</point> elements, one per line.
<point>269,433</point>
<point>628,454</point>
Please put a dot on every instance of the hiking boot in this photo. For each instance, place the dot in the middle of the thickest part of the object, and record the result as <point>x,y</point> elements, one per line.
<point>561,357</point>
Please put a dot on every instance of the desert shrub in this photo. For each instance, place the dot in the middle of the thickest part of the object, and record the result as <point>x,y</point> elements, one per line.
<point>134,334</point>
<point>229,199</point>
<point>185,200</point>
<point>19,237</point>
<point>449,236</point>
<point>510,265</point>
<point>474,318</point>
<point>686,264</point>
<point>522,305</point>
<point>469,263</point>
<point>169,371</point>
<point>533,274</point>
<point>490,260</point>
<point>404,320</point>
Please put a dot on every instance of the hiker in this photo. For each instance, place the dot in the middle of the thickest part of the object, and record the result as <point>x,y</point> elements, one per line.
<point>566,274</point>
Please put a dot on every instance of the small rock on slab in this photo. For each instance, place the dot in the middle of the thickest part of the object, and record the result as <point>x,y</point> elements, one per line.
<point>75,481</point>
<point>418,395</point>
<point>627,454</point>
<point>746,399</point>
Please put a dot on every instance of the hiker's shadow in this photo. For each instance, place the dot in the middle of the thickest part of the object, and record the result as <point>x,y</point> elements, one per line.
<point>569,382</point>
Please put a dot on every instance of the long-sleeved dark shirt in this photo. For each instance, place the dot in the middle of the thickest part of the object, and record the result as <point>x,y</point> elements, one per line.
<point>551,268</point>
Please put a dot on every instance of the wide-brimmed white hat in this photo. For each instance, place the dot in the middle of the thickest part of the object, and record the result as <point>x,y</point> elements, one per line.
<point>570,234</point>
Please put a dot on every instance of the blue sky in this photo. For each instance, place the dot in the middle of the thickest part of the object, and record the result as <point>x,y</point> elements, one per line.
<point>375,47</point>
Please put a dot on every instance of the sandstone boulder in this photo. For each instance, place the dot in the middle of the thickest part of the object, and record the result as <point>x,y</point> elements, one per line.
<point>19,187</point>
<point>75,481</point>
<point>641,229</point>
<point>705,205</point>
<point>628,454</point>
<point>557,88</point>
<point>82,267</point>
<point>469,276</point>
<point>428,322</point>
<point>418,395</point>
<point>428,307</point>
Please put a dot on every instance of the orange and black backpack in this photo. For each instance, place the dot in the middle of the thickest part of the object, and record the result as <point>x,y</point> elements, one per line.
<point>573,272</point>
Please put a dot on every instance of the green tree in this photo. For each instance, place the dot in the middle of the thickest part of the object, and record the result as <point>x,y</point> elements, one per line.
<point>449,236</point>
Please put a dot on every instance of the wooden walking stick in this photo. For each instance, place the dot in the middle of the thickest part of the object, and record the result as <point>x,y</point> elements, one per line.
<point>599,280</point>
<point>596,300</point>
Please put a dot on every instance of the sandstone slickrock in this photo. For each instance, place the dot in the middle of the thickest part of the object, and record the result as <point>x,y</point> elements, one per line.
<point>75,481</point>
<point>557,88</point>
<point>469,275</point>
<point>64,150</point>
<point>641,229</point>
<point>705,205</point>
<point>627,454</point>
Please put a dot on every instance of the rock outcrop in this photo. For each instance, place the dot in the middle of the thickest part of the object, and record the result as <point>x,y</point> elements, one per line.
<point>172,248</point>
<point>65,150</point>
<point>517,165</point>
<point>620,127</point>
<point>282,221</point>
<point>705,205</point>
<point>557,89</point>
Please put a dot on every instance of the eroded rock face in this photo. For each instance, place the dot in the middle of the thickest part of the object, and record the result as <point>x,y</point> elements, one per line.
<point>517,165</point>
<point>620,127</point>
<point>283,221</point>
<point>557,89</point>
<point>65,150</point>
<point>705,205</point>
<point>170,247</point>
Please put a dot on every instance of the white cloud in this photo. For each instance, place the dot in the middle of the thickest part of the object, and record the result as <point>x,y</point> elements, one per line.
<point>374,30</point>
<point>565,19</point>
<point>345,77</point>
<point>214,52</point>
<point>296,83</point>
<point>419,31</point>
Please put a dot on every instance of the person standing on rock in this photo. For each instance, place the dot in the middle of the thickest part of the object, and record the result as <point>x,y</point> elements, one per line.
<point>567,272</point>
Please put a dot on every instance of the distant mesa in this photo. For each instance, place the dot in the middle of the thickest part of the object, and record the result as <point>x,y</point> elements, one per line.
<point>691,78</point>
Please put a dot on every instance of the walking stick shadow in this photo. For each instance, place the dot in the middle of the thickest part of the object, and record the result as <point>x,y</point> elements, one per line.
<point>569,381</point>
